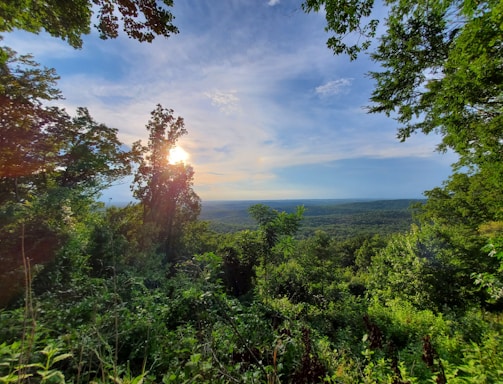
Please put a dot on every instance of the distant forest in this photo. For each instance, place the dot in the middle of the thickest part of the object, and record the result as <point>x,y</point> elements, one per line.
<point>340,218</point>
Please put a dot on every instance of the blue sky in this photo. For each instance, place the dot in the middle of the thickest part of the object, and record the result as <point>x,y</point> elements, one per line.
<point>271,112</point>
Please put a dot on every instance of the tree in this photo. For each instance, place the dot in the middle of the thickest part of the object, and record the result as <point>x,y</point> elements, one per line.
<point>241,252</point>
<point>90,154</point>
<point>399,271</point>
<point>51,165</point>
<point>25,120</point>
<point>441,72</point>
<point>42,146</point>
<point>444,75</point>
<point>164,189</point>
<point>69,20</point>
<point>315,257</point>
<point>274,224</point>
<point>276,229</point>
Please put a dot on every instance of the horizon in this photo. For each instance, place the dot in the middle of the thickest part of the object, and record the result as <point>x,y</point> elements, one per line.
<point>370,199</point>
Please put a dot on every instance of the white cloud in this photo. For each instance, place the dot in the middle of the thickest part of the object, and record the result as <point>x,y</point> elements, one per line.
<point>272,3</point>
<point>227,102</point>
<point>334,87</point>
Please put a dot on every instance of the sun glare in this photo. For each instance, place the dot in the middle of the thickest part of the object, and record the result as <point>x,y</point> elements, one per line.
<point>178,155</point>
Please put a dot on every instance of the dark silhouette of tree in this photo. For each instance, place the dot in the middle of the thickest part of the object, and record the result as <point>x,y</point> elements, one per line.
<point>52,165</point>
<point>165,189</point>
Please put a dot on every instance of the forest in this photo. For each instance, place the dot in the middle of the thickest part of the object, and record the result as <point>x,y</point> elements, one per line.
<point>339,218</point>
<point>152,293</point>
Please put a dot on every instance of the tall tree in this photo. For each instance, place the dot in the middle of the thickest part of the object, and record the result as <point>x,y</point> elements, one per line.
<point>165,189</point>
<point>274,224</point>
<point>140,19</point>
<point>51,165</point>
<point>441,71</point>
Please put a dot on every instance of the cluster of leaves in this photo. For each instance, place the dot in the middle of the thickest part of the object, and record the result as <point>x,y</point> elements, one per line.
<point>141,19</point>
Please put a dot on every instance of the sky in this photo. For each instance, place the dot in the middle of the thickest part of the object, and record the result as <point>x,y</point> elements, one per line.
<point>271,112</point>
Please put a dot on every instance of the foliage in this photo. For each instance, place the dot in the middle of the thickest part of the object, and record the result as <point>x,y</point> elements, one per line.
<point>140,19</point>
<point>114,315</point>
<point>425,268</point>
<point>90,154</point>
<point>441,67</point>
<point>146,293</point>
<point>43,147</point>
<point>492,282</point>
<point>241,253</point>
<point>441,73</point>
<point>346,18</point>
<point>275,224</point>
<point>480,363</point>
<point>11,371</point>
<point>25,122</point>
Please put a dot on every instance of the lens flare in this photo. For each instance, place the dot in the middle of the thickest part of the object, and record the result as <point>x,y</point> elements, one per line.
<point>178,155</point>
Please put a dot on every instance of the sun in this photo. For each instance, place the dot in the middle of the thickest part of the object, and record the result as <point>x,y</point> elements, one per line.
<point>178,155</point>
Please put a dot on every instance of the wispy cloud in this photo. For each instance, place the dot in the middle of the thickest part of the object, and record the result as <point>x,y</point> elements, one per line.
<point>227,102</point>
<point>334,87</point>
<point>41,46</point>
<point>247,101</point>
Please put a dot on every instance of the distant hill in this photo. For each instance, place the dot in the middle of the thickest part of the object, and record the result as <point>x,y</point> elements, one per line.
<point>342,218</point>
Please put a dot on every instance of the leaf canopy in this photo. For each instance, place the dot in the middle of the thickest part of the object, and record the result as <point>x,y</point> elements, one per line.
<point>142,20</point>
